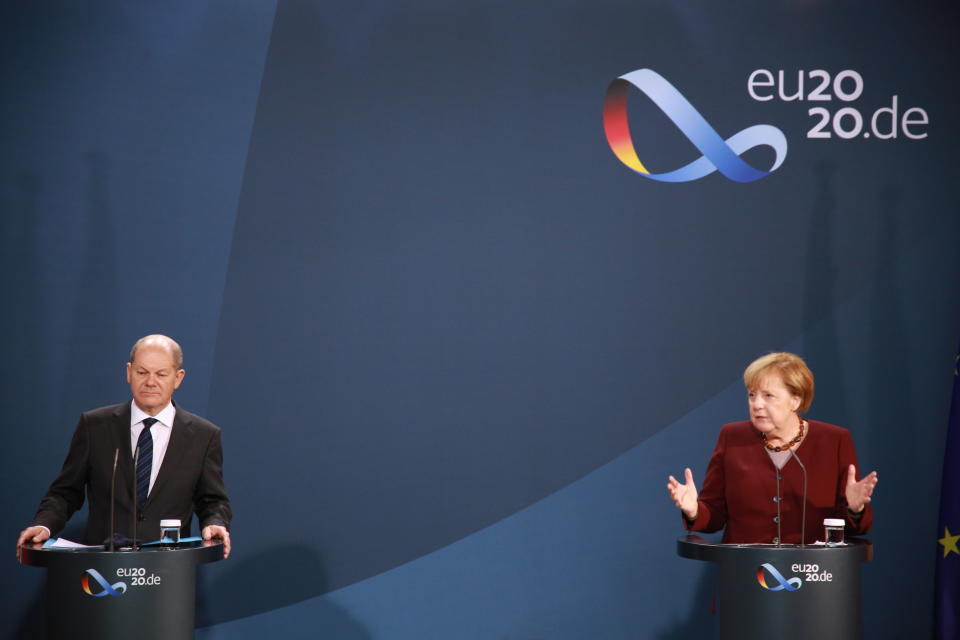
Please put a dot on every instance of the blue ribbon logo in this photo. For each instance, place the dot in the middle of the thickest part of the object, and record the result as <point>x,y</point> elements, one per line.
<point>108,589</point>
<point>718,154</point>
<point>792,584</point>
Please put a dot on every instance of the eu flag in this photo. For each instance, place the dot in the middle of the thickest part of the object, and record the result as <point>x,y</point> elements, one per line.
<point>947,595</point>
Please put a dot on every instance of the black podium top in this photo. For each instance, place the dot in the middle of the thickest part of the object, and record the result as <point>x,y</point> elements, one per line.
<point>195,553</point>
<point>696,548</point>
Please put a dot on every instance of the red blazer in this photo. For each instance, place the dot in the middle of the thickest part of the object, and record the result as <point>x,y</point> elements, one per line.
<point>741,484</point>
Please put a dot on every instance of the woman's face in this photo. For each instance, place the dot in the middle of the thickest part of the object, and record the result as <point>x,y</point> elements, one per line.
<point>772,406</point>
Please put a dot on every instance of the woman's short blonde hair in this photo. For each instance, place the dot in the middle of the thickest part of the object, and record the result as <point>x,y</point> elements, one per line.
<point>793,371</point>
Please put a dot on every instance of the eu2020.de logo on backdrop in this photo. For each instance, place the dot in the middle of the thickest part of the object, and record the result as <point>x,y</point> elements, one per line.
<point>849,122</point>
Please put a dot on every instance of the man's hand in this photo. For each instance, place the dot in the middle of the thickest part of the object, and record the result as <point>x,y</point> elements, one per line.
<point>216,531</point>
<point>32,534</point>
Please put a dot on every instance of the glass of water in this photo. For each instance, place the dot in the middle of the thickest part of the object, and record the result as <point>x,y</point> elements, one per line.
<point>833,531</point>
<point>170,532</point>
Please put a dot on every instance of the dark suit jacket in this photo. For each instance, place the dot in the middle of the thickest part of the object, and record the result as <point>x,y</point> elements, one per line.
<point>741,483</point>
<point>190,479</point>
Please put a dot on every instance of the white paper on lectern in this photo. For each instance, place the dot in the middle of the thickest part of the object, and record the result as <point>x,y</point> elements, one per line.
<point>63,543</point>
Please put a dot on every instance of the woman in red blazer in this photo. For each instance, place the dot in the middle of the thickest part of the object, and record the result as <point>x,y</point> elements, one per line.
<point>754,484</point>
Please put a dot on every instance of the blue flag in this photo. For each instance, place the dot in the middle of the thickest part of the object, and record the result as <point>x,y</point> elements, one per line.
<point>947,595</point>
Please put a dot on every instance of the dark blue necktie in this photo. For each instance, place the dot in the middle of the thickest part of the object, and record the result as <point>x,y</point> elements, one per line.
<point>144,462</point>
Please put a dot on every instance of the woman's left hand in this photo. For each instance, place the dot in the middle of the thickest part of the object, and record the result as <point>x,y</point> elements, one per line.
<point>858,493</point>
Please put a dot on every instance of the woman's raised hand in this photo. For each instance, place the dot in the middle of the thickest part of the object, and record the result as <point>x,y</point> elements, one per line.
<point>858,493</point>
<point>684,495</point>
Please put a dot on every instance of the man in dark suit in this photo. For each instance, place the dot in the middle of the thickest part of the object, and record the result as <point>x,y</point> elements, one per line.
<point>179,462</point>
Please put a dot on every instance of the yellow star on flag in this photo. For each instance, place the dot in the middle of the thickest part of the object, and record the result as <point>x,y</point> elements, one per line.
<point>949,542</point>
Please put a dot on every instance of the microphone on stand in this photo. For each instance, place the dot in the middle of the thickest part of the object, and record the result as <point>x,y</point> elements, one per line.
<point>778,499</point>
<point>803,522</point>
<point>113,501</point>
<point>136,458</point>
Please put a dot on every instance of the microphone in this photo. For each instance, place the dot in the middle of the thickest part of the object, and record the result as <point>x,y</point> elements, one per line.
<point>113,500</point>
<point>779,498</point>
<point>136,458</point>
<point>803,523</point>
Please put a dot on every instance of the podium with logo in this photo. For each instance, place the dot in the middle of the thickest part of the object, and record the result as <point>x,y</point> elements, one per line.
<point>785,592</point>
<point>144,594</point>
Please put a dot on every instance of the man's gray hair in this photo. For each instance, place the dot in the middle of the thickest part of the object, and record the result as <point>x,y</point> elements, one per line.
<point>162,341</point>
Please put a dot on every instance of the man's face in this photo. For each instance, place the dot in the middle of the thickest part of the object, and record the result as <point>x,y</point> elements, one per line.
<point>153,377</point>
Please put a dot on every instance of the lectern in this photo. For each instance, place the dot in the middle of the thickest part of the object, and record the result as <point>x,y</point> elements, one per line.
<point>144,594</point>
<point>785,592</point>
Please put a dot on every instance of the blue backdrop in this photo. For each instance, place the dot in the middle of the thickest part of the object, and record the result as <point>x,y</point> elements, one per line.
<point>454,343</point>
